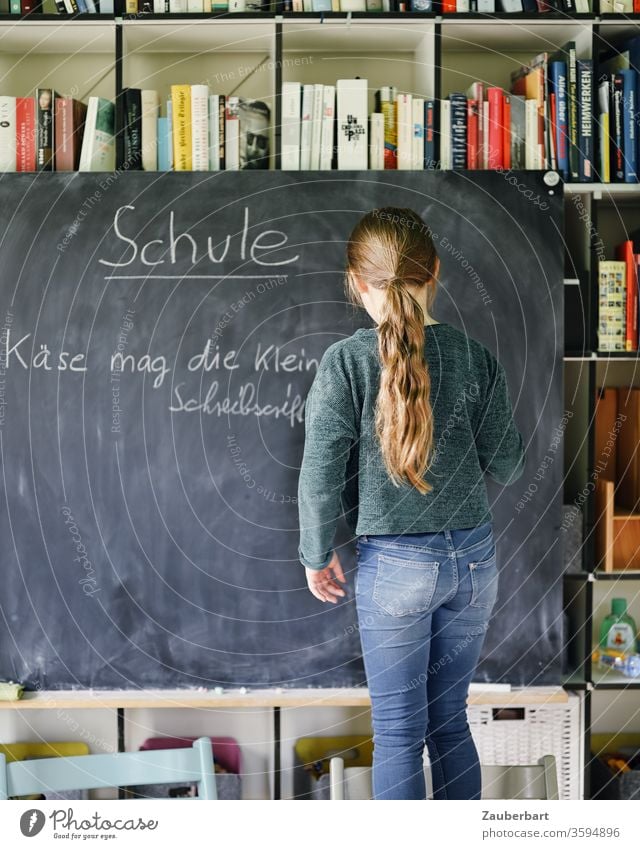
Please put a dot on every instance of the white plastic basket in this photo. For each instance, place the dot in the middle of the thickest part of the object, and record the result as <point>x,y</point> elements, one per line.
<point>554,728</point>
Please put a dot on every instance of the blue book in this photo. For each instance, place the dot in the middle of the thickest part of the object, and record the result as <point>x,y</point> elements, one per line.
<point>429,135</point>
<point>164,158</point>
<point>585,120</point>
<point>82,6</point>
<point>629,125</point>
<point>321,6</point>
<point>558,87</point>
<point>458,130</point>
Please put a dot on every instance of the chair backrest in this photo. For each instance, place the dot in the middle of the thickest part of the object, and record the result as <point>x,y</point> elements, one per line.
<point>529,781</point>
<point>88,772</point>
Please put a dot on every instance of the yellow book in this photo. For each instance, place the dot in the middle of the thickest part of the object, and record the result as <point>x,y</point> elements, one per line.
<point>131,7</point>
<point>604,148</point>
<point>181,130</point>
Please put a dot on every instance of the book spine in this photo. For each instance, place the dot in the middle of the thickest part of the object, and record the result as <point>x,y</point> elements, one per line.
<point>44,119</point>
<point>429,135</point>
<point>132,129</point>
<point>353,146</point>
<point>405,131</point>
<point>150,108</point>
<point>472,134</point>
<point>604,130</point>
<point>387,108</point>
<point>458,126</point>
<point>629,124</point>
<point>290,141</point>
<point>214,133</point>
<point>232,133</point>
<point>8,133</point>
<point>63,132</point>
<point>616,129</point>
<point>506,124</point>
<point>25,134</point>
<point>163,144</point>
<point>316,127</point>
<point>624,253</point>
<point>222,131</point>
<point>376,141</point>
<point>328,121</point>
<point>306,127</point>
<point>612,305</point>
<point>494,150</point>
<point>572,108</point>
<point>585,120</point>
<point>200,127</point>
<point>418,133</point>
<point>445,133</point>
<point>181,126</point>
<point>559,86</point>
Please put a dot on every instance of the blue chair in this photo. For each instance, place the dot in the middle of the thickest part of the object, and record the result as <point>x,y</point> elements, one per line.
<point>89,772</point>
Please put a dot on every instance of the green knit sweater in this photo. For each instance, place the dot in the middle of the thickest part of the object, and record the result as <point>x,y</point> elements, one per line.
<point>342,472</point>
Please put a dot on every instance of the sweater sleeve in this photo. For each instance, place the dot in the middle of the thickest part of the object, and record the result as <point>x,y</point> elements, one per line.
<point>330,431</point>
<point>499,443</point>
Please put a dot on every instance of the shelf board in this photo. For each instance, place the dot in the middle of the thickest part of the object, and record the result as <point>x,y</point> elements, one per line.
<point>201,35</point>
<point>606,679</point>
<point>93,34</point>
<point>337,34</point>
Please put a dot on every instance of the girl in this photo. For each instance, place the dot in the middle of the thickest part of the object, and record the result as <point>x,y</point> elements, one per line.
<point>401,422</point>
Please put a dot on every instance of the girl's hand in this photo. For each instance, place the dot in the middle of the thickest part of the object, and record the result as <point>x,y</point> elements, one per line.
<point>321,581</point>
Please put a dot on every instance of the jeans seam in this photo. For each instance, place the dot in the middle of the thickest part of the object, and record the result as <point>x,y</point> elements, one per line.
<point>400,546</point>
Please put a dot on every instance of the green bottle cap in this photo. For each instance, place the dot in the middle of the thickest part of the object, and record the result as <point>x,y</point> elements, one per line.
<point>618,606</point>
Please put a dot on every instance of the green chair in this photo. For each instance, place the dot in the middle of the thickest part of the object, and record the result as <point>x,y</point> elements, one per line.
<point>89,772</point>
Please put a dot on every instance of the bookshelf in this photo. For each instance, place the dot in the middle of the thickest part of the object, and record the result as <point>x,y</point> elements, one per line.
<point>430,55</point>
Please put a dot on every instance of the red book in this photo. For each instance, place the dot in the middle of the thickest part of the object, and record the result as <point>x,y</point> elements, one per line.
<point>636,6</point>
<point>473,120</point>
<point>68,131</point>
<point>624,252</point>
<point>25,134</point>
<point>506,126</point>
<point>494,101</point>
<point>449,6</point>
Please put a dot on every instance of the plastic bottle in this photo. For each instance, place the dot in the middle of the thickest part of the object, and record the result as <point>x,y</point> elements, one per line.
<point>618,630</point>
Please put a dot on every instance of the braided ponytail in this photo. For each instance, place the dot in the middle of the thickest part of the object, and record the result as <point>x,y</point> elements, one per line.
<point>389,248</point>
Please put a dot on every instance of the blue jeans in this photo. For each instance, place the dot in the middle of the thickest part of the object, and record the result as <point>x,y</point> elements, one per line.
<point>424,602</point>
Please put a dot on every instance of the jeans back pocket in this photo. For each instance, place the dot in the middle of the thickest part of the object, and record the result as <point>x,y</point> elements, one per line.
<point>404,586</point>
<point>484,581</point>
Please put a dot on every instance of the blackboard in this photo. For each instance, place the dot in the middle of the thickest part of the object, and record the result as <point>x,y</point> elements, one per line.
<point>149,522</point>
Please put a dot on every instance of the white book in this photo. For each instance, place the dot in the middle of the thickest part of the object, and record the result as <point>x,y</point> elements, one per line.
<point>462,6</point>
<point>511,6</point>
<point>199,127</point>
<point>417,162</point>
<point>353,5</point>
<point>316,126</point>
<point>405,131</point>
<point>158,7</point>
<point>106,7</point>
<point>376,142</point>
<point>150,108</point>
<point>214,132</point>
<point>8,146</point>
<point>306,119</point>
<point>352,116</point>
<point>487,6</point>
<point>531,134</point>
<point>232,134</point>
<point>290,139</point>
<point>328,123</point>
<point>91,7</point>
<point>445,133</point>
<point>195,6</point>
<point>177,7</point>
<point>98,151</point>
<point>237,6</point>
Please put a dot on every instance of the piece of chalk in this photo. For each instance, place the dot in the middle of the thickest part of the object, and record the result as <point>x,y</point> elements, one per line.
<point>10,692</point>
<point>218,690</point>
<point>243,690</point>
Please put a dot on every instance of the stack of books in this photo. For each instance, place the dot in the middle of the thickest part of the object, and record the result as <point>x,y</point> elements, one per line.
<point>618,299</point>
<point>52,133</point>
<point>199,132</point>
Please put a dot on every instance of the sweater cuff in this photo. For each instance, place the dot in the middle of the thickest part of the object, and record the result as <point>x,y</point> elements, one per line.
<point>316,566</point>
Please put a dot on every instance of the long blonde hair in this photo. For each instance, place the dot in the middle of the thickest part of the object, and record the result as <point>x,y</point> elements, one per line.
<point>388,248</point>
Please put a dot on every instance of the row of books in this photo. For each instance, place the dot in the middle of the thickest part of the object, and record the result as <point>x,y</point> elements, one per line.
<point>618,117</point>
<point>200,131</point>
<point>48,132</point>
<point>533,7</point>
<point>56,7</point>
<point>618,299</point>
